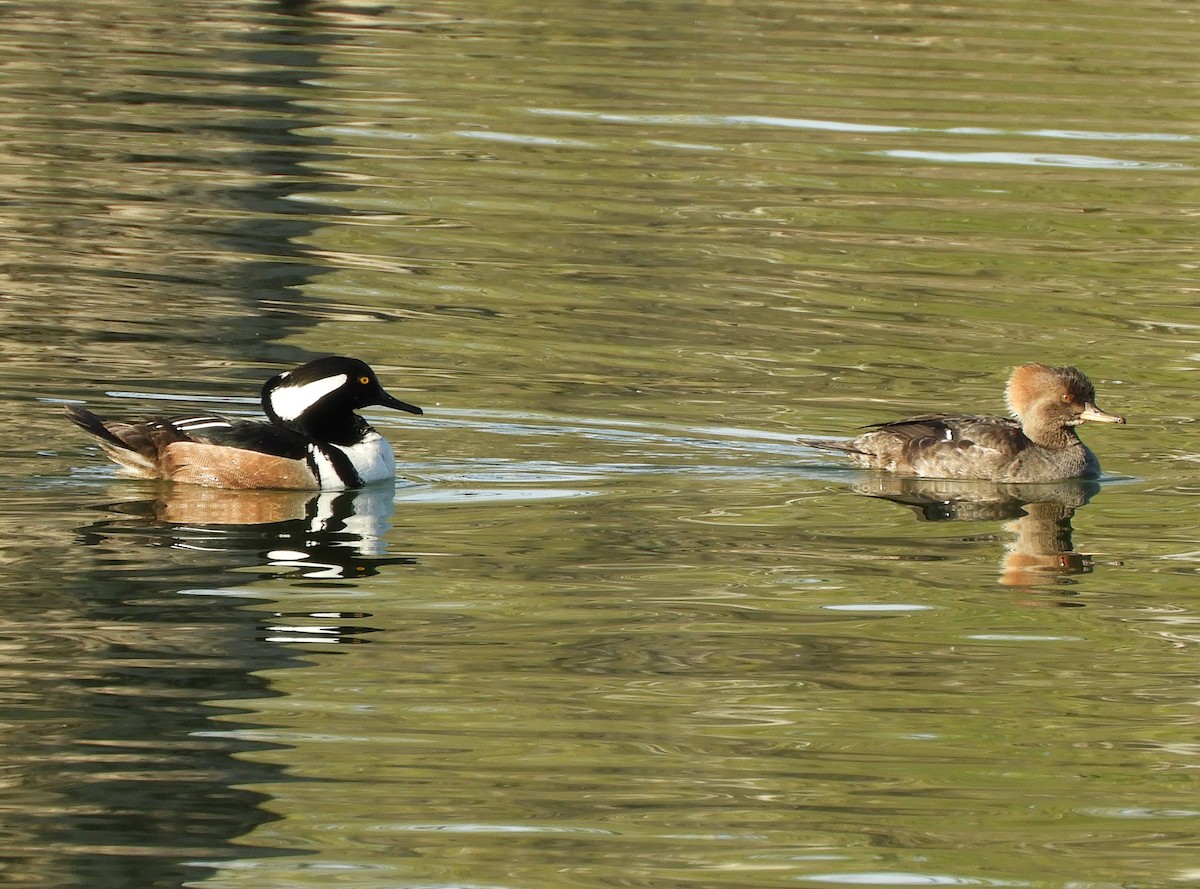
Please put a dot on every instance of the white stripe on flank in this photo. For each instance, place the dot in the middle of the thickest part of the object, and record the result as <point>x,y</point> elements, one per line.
<point>326,472</point>
<point>289,402</point>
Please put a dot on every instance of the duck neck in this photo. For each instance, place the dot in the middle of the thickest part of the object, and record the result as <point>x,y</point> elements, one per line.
<point>1055,438</point>
<point>340,427</point>
<point>335,427</point>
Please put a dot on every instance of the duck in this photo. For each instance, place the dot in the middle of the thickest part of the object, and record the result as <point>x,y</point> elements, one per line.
<point>312,438</point>
<point>1040,445</point>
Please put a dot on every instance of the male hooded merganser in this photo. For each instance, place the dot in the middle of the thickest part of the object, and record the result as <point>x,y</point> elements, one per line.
<point>1040,445</point>
<point>313,440</point>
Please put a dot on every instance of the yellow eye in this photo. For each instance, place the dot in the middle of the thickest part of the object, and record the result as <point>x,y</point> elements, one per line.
<point>364,380</point>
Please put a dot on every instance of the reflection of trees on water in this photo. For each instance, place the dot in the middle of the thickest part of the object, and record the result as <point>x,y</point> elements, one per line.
<point>154,209</point>
<point>150,171</point>
<point>1041,550</point>
<point>162,569</point>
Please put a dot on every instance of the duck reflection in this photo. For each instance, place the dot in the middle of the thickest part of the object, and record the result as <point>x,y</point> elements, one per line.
<point>1041,550</point>
<point>318,535</point>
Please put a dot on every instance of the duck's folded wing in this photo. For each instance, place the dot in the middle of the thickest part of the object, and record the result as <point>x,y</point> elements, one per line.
<point>266,438</point>
<point>928,431</point>
<point>941,445</point>
<point>990,431</point>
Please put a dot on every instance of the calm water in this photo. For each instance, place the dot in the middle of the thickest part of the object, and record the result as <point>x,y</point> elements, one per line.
<point>613,627</point>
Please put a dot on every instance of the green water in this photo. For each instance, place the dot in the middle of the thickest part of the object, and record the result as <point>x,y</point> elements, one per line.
<point>613,627</point>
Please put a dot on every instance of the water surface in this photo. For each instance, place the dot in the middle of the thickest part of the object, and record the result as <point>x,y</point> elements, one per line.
<point>613,626</point>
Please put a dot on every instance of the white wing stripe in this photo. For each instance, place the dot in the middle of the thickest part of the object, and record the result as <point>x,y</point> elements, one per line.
<point>189,423</point>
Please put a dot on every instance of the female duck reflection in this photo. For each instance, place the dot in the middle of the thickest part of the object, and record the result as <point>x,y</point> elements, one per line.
<point>1033,469</point>
<point>1041,550</point>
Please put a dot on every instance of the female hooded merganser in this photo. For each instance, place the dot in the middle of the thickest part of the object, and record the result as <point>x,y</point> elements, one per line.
<point>1041,445</point>
<point>314,440</point>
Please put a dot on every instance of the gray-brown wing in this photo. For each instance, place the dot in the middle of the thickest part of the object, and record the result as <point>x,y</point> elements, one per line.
<point>943,446</point>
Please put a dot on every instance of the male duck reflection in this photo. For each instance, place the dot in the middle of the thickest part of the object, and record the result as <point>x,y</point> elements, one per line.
<point>1040,445</point>
<point>313,440</point>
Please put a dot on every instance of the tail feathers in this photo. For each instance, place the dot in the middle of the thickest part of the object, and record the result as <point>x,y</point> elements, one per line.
<point>89,422</point>
<point>828,444</point>
<point>135,448</point>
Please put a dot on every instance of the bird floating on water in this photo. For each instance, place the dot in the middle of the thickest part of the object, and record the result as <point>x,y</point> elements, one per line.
<point>312,439</point>
<point>1040,445</point>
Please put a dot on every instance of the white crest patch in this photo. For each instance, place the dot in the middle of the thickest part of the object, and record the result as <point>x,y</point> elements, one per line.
<point>289,401</point>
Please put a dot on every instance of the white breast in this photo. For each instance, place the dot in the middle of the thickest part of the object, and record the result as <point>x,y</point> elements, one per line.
<point>372,459</point>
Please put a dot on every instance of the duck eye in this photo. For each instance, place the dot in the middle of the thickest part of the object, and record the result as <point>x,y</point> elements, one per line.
<point>1065,397</point>
<point>365,379</point>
